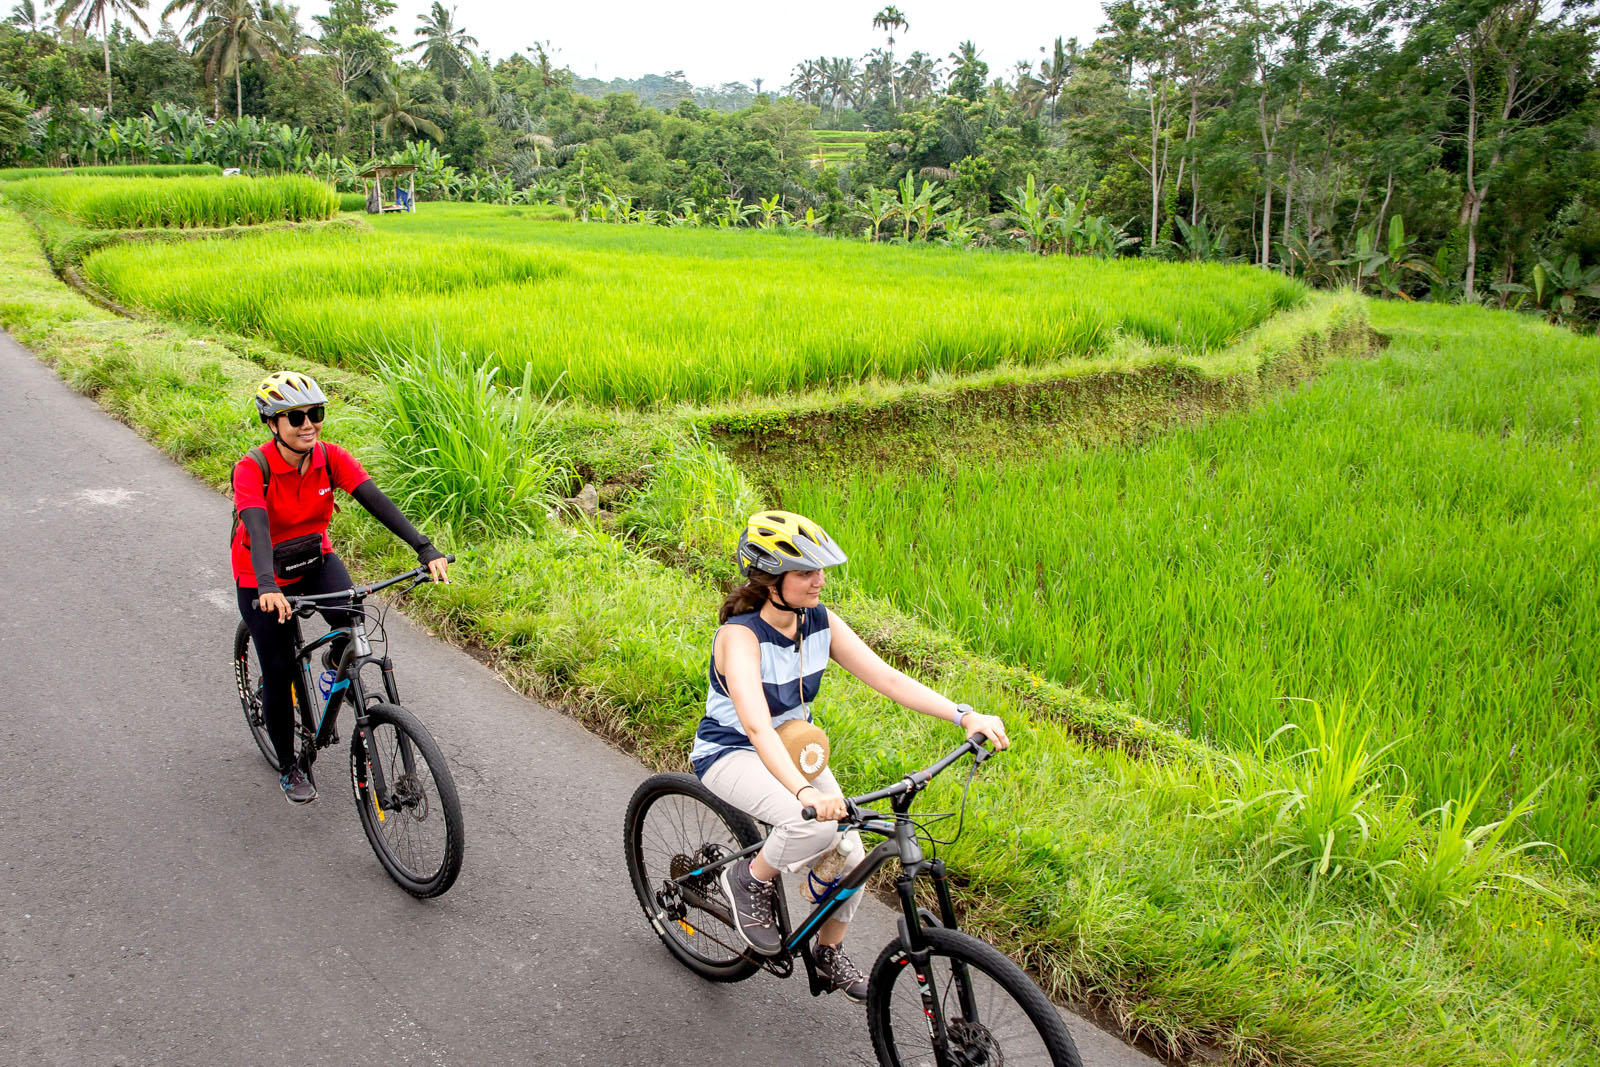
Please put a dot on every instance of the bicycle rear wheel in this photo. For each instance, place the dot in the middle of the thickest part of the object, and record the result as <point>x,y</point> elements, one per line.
<point>993,1013</point>
<point>415,826</point>
<point>247,673</point>
<point>674,825</point>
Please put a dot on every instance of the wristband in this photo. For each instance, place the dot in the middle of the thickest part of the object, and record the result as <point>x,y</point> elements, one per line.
<point>803,788</point>
<point>962,711</point>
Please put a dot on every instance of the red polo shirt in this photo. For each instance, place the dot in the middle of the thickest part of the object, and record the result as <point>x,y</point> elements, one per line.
<point>297,504</point>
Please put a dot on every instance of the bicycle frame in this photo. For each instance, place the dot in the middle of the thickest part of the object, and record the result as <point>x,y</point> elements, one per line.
<point>347,688</point>
<point>900,843</point>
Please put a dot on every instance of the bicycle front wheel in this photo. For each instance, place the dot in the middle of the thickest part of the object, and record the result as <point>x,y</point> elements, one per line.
<point>675,825</point>
<point>247,673</point>
<point>414,821</point>
<point>992,1011</point>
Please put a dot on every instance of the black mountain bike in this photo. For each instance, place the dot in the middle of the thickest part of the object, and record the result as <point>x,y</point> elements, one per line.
<point>404,793</point>
<point>936,995</point>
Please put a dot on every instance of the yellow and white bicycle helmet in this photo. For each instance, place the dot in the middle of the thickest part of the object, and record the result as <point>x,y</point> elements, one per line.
<point>780,541</point>
<point>286,390</point>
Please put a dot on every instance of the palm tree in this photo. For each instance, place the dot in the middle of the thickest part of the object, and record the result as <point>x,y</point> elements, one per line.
<point>919,75</point>
<point>890,19</point>
<point>233,31</point>
<point>292,38</point>
<point>397,105</point>
<point>841,75</point>
<point>25,16</point>
<point>1055,71</point>
<point>85,13</point>
<point>444,47</point>
<point>809,83</point>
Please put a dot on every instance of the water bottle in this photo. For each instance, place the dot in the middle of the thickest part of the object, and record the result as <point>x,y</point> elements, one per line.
<point>825,873</point>
<point>325,684</point>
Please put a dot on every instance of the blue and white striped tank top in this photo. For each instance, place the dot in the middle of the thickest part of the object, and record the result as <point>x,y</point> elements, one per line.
<point>720,731</point>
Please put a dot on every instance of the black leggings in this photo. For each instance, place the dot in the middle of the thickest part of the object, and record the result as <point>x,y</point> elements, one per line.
<point>274,643</point>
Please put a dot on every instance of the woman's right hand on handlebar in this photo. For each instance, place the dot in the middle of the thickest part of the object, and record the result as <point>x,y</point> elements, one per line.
<point>830,806</point>
<point>276,603</point>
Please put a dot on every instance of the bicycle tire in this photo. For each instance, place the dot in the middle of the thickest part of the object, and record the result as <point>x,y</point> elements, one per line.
<point>652,853</point>
<point>900,1029</point>
<point>393,728</point>
<point>247,675</point>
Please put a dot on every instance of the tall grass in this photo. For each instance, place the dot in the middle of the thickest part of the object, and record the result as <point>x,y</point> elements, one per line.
<point>181,203</point>
<point>150,170</point>
<point>1420,527</point>
<point>460,452</point>
<point>640,315</point>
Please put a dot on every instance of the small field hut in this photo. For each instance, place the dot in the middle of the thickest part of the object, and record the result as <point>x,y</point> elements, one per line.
<point>405,198</point>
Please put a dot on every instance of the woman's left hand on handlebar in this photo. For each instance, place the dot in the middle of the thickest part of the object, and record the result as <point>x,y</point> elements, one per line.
<point>989,726</point>
<point>439,570</point>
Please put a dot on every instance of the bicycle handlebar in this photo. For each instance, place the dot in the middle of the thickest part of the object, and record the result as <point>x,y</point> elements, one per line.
<point>911,782</point>
<point>420,573</point>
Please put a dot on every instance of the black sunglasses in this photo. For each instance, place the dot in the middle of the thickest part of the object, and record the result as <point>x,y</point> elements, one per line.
<point>297,418</point>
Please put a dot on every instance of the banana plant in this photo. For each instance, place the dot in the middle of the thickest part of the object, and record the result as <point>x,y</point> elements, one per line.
<point>1566,281</point>
<point>957,229</point>
<point>1031,211</point>
<point>876,210</point>
<point>919,207</point>
<point>1200,242</point>
<point>772,213</point>
<point>1388,264</point>
<point>1104,238</point>
<point>733,212</point>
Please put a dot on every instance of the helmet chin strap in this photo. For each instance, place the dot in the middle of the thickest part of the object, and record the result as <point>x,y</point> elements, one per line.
<point>799,613</point>
<point>301,452</point>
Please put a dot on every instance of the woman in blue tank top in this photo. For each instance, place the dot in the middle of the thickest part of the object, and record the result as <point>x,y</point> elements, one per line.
<point>766,667</point>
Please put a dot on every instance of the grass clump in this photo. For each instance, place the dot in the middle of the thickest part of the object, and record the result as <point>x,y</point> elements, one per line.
<point>693,506</point>
<point>177,202</point>
<point>147,170</point>
<point>459,451</point>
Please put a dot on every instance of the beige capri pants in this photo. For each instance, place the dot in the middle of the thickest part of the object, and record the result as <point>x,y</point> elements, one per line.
<point>741,779</point>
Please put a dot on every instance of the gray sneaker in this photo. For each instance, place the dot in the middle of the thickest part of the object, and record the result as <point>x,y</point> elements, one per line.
<point>842,976</point>
<point>755,907</point>
<point>297,787</point>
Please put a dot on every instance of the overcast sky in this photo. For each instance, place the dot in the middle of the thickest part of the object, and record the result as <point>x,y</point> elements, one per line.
<point>716,43</point>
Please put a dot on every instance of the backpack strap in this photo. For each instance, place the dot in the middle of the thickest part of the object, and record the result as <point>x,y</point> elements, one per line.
<point>266,478</point>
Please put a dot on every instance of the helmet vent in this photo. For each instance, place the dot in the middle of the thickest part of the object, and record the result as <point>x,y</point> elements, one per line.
<point>787,547</point>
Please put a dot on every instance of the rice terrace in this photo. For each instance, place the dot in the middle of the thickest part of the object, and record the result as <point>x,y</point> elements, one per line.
<point>1270,526</point>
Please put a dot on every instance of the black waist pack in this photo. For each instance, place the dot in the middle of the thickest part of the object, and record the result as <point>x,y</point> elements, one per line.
<point>298,556</point>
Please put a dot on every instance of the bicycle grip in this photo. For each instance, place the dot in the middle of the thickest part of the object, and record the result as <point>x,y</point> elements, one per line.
<point>808,813</point>
<point>450,559</point>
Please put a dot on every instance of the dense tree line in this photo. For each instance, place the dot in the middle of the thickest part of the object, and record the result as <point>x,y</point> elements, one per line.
<point>1444,147</point>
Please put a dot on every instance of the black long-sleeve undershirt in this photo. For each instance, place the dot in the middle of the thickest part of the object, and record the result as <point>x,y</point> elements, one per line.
<point>369,496</point>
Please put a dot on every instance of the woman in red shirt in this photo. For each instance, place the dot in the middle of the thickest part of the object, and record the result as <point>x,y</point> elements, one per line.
<point>281,542</point>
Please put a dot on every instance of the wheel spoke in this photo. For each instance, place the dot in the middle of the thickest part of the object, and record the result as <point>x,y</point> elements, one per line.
<point>411,826</point>
<point>678,827</point>
<point>1001,1033</point>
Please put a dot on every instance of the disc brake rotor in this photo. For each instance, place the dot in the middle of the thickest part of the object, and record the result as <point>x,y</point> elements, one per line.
<point>973,1044</point>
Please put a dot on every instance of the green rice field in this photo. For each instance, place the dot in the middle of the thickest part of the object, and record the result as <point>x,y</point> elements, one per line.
<point>149,170</point>
<point>839,146</point>
<point>1417,532</point>
<point>642,315</point>
<point>183,202</point>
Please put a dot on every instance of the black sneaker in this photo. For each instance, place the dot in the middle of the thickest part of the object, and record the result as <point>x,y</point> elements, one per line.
<point>297,787</point>
<point>755,907</point>
<point>841,975</point>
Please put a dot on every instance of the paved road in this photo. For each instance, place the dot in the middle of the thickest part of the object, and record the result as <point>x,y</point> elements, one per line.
<point>162,904</point>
